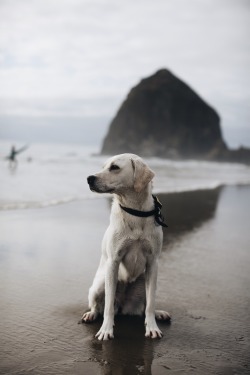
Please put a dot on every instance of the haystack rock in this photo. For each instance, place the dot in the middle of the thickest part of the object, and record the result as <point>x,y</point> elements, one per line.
<point>162,116</point>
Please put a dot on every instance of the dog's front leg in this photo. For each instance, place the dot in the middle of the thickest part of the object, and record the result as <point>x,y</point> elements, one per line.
<point>152,329</point>
<point>106,330</point>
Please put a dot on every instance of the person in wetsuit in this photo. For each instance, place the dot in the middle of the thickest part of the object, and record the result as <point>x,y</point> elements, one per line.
<point>12,156</point>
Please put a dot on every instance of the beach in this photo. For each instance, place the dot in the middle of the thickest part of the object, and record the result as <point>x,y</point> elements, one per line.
<point>48,259</point>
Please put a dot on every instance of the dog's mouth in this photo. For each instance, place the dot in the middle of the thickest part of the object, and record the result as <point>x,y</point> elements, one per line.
<point>101,191</point>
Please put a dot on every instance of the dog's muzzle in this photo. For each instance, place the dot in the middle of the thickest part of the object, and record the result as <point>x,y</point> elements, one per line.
<point>98,188</point>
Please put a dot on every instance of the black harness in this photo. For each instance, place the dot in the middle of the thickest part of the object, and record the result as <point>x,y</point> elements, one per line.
<point>156,212</point>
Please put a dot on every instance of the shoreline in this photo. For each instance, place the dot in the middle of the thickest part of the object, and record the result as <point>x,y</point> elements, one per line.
<point>95,196</point>
<point>47,262</point>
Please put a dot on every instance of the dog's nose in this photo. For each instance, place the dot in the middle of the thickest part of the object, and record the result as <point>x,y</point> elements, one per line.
<point>91,180</point>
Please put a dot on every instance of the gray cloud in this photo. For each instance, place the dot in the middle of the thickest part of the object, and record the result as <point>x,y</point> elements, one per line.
<point>79,57</point>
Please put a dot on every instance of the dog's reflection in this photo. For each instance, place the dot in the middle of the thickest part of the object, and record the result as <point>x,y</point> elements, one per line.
<point>129,353</point>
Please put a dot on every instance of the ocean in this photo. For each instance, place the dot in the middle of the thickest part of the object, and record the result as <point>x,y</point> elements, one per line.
<point>52,174</point>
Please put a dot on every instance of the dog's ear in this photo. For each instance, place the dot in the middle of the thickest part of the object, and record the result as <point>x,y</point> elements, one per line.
<point>142,174</point>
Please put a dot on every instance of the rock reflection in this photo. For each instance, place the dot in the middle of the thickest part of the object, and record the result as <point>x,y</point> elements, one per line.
<point>186,211</point>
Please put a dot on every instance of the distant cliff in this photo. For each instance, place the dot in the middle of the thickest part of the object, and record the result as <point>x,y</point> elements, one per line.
<point>162,116</point>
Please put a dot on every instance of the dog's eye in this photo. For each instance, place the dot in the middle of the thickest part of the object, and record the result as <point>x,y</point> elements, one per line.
<point>114,167</point>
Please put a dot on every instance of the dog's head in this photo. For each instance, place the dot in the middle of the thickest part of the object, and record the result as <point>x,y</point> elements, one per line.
<point>120,173</point>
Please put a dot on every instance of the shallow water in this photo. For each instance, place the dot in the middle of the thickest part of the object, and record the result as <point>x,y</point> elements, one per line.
<point>47,262</point>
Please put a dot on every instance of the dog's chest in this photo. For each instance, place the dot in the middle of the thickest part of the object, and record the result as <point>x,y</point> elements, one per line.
<point>134,261</point>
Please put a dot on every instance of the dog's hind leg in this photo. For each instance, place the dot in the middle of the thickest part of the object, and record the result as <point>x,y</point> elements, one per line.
<point>96,305</point>
<point>96,298</point>
<point>162,315</point>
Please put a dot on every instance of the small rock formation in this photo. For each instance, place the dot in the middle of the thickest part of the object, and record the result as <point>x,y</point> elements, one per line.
<point>164,117</point>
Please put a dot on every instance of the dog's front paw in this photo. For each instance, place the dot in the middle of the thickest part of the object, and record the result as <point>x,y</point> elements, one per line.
<point>152,329</point>
<point>105,332</point>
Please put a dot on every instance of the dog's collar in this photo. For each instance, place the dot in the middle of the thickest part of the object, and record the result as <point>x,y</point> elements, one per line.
<point>156,212</point>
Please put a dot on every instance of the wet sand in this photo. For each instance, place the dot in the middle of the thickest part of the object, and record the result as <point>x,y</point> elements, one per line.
<point>48,258</point>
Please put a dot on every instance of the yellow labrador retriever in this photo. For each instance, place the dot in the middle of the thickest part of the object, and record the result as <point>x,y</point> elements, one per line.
<point>125,281</point>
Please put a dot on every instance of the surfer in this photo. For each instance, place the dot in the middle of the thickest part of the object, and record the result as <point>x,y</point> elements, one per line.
<point>12,156</point>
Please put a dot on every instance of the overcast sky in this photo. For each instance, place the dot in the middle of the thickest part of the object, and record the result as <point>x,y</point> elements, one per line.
<point>80,58</point>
